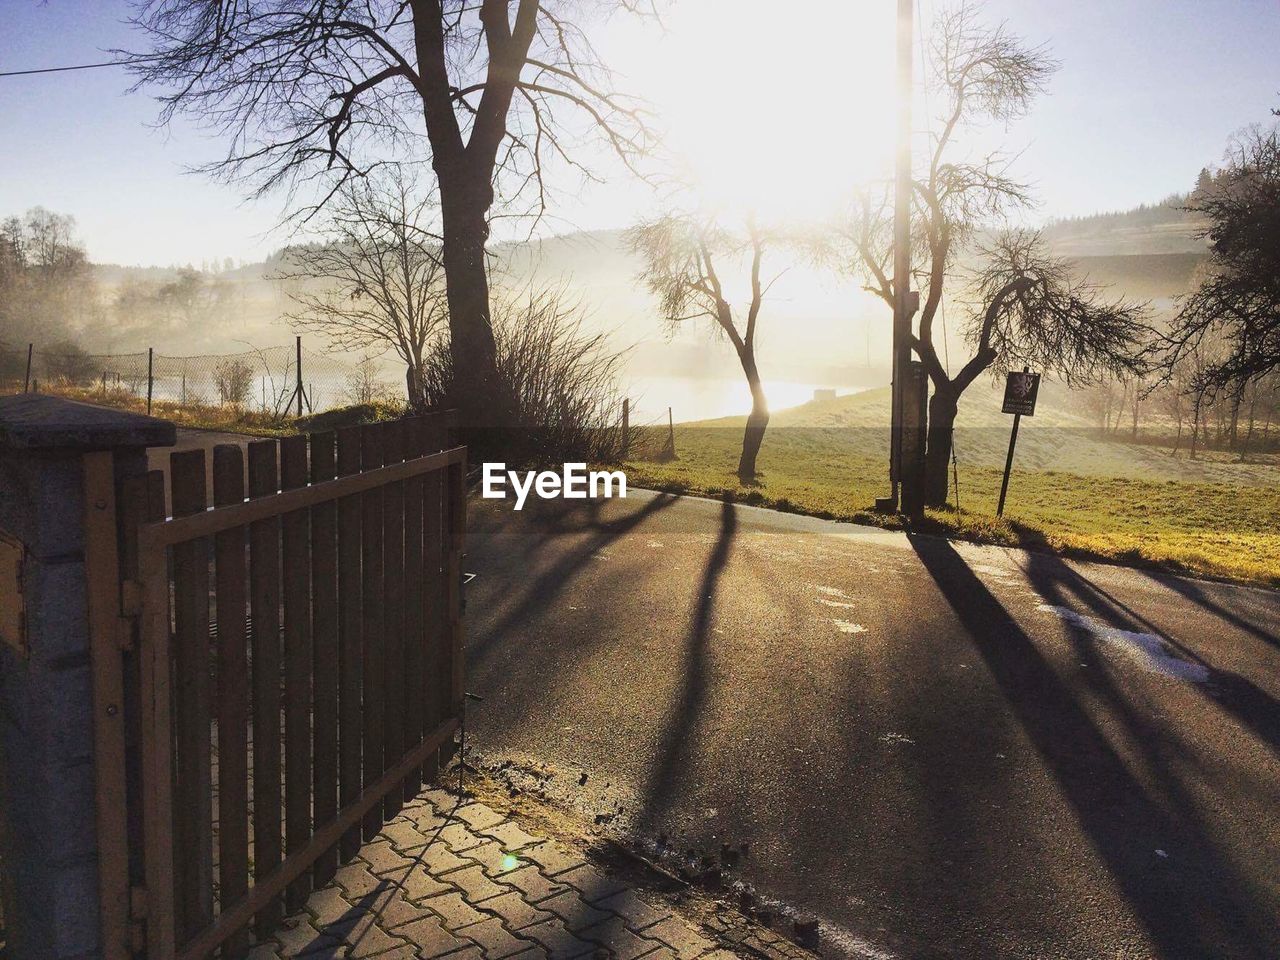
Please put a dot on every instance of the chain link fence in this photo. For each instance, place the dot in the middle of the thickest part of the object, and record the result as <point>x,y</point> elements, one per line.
<point>274,382</point>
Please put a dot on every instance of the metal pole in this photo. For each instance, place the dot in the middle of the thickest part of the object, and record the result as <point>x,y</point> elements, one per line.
<point>26,384</point>
<point>901,248</point>
<point>902,228</point>
<point>298,343</point>
<point>151,356</point>
<point>1008,464</point>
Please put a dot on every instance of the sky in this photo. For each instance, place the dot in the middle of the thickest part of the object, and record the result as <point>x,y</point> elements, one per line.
<point>781,114</point>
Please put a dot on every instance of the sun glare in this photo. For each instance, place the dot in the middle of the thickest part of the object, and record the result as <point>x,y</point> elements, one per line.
<point>777,109</point>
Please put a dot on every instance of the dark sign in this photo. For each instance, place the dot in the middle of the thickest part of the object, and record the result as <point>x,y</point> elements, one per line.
<point>1020,391</point>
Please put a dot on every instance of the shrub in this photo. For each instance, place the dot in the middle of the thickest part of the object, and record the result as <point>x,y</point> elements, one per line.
<point>563,381</point>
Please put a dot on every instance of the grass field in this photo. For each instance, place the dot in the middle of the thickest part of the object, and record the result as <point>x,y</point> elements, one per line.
<point>1125,502</point>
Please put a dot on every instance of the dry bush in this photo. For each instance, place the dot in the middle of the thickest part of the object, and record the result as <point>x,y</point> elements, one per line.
<point>564,382</point>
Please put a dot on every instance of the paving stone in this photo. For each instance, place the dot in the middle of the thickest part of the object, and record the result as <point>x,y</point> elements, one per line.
<point>680,937</point>
<point>337,950</point>
<point>510,835</point>
<point>263,951</point>
<point>553,858</point>
<point>459,838</point>
<point>494,939</point>
<point>559,942</point>
<point>404,836</point>
<point>614,936</point>
<point>494,859</point>
<point>418,883</point>
<point>382,857</point>
<point>533,953</point>
<point>574,911</point>
<point>438,860</point>
<point>535,886</point>
<point>455,911</point>
<point>591,883</point>
<point>298,937</point>
<point>393,910</point>
<point>405,952</point>
<point>330,907</point>
<point>479,816</point>
<point>442,800</point>
<point>516,911</point>
<point>426,820</point>
<point>366,940</point>
<point>475,886</point>
<point>637,912</point>
<point>430,937</point>
<point>356,880</point>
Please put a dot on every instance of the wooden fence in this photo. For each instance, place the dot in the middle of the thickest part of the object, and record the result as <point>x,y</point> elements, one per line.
<point>297,668</point>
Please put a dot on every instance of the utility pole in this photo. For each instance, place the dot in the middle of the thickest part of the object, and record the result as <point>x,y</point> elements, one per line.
<point>904,302</point>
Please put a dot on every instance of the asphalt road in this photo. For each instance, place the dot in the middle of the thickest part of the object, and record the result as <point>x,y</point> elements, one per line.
<point>938,749</point>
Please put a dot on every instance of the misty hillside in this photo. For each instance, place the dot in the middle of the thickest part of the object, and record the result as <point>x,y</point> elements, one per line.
<point>816,327</point>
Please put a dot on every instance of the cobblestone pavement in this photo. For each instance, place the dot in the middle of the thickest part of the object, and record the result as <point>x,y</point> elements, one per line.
<point>467,883</point>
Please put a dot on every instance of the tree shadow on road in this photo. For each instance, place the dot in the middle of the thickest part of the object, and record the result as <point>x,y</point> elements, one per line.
<point>1192,904</point>
<point>1235,694</point>
<point>538,532</point>
<point>676,744</point>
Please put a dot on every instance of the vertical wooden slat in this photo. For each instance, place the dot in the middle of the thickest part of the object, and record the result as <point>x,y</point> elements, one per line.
<point>136,507</point>
<point>102,568</point>
<point>193,807</point>
<point>414,681</point>
<point>324,629</point>
<point>233,691</point>
<point>264,565</point>
<point>437,677</point>
<point>372,586</point>
<point>156,725</point>
<point>456,519</point>
<point>297,666</point>
<point>393,685</point>
<point>350,652</point>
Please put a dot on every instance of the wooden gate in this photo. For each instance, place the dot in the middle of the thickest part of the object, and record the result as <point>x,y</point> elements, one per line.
<point>297,667</point>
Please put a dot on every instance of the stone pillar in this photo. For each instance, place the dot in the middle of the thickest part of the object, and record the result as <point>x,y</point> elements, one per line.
<point>48,841</point>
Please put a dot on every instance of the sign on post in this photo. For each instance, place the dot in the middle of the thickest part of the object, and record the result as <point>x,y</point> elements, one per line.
<point>1020,392</point>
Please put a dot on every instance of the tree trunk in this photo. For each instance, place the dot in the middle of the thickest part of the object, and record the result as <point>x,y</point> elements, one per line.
<point>937,459</point>
<point>481,397</point>
<point>756,422</point>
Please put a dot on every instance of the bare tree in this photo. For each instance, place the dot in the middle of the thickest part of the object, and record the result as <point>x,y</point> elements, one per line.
<point>234,380</point>
<point>377,283</point>
<point>1236,307</point>
<point>318,93</point>
<point>1028,308</point>
<point>680,254</point>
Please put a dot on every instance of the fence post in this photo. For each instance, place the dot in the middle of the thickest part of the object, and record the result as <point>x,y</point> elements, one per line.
<point>61,726</point>
<point>626,427</point>
<point>151,356</point>
<point>26,383</point>
<point>298,344</point>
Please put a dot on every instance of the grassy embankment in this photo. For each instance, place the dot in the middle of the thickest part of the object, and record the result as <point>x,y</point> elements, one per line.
<point>1070,492</point>
<point>230,418</point>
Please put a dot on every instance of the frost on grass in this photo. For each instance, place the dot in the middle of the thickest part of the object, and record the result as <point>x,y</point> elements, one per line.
<point>1150,651</point>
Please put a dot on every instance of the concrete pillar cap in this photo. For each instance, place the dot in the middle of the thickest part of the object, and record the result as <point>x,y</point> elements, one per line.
<point>32,421</point>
